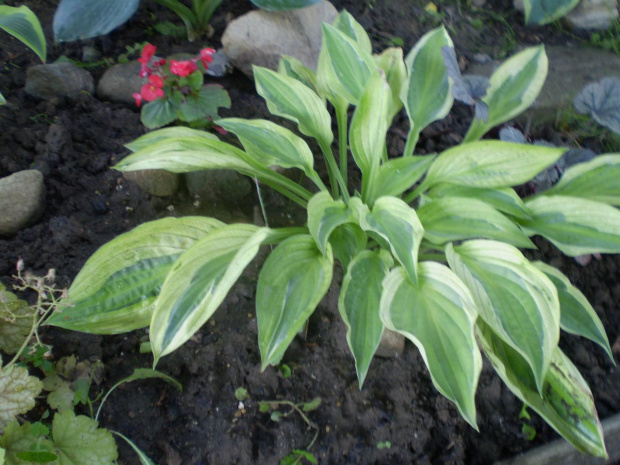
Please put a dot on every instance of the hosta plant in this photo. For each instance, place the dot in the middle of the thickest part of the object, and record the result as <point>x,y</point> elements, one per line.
<point>429,244</point>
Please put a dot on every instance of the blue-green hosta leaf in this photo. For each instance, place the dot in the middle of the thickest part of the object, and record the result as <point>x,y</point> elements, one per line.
<point>346,23</point>
<point>291,284</point>
<point>78,440</point>
<point>324,215</point>
<point>514,87</point>
<point>396,223</point>
<point>23,24</point>
<point>369,126</point>
<point>292,67</point>
<point>270,143</point>
<point>116,289</point>
<point>596,179</point>
<point>542,12</point>
<point>359,306</point>
<point>601,100</point>
<point>399,174</point>
<point>427,92</point>
<point>450,219</point>
<point>392,63</point>
<point>158,113</point>
<point>347,240</point>
<point>76,19</point>
<point>577,315</point>
<point>491,164</point>
<point>438,316</point>
<point>281,5</point>
<point>289,98</point>
<point>565,401</point>
<point>504,200</point>
<point>575,226</point>
<point>160,134</point>
<point>513,296</point>
<point>199,282</point>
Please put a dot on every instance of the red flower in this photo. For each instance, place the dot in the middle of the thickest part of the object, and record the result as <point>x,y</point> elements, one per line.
<point>206,56</point>
<point>182,68</point>
<point>147,53</point>
<point>152,90</point>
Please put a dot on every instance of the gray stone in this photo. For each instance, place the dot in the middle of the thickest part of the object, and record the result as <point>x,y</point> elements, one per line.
<point>218,186</point>
<point>58,80</point>
<point>21,200</point>
<point>392,344</point>
<point>160,183</point>
<point>570,69</point>
<point>120,82</point>
<point>262,37</point>
<point>593,14</point>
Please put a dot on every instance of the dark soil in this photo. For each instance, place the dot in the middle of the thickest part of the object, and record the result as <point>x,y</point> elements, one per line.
<point>87,204</point>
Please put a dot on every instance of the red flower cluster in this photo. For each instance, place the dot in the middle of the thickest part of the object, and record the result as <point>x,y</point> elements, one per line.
<point>154,89</point>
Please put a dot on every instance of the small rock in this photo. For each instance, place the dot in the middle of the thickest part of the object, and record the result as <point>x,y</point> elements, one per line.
<point>593,14</point>
<point>90,54</point>
<point>21,200</point>
<point>160,183</point>
<point>218,186</point>
<point>120,82</point>
<point>262,37</point>
<point>392,344</point>
<point>58,80</point>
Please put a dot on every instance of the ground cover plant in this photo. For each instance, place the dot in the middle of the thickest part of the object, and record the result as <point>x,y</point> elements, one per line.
<point>174,273</point>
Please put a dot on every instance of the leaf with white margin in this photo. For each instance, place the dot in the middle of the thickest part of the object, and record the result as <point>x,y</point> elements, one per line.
<point>346,23</point>
<point>399,174</point>
<point>514,298</point>
<point>117,288</point>
<point>358,304</point>
<point>23,24</point>
<point>565,401</point>
<point>324,215</point>
<point>396,223</point>
<point>18,391</point>
<point>160,134</point>
<point>198,283</point>
<point>575,226</point>
<point>347,240</point>
<point>438,316</point>
<point>392,63</point>
<point>292,67</point>
<point>577,315</point>
<point>491,164</point>
<point>514,87</point>
<point>291,284</point>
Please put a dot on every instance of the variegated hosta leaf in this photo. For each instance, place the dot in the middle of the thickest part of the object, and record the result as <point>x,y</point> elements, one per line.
<point>291,284</point>
<point>346,23</point>
<point>359,306</point>
<point>514,298</point>
<point>23,24</point>
<point>399,174</point>
<point>324,215</point>
<point>270,143</point>
<point>392,63</point>
<point>292,67</point>
<point>596,179</point>
<point>116,289</point>
<point>161,134</point>
<point>18,391</point>
<point>199,282</point>
<point>438,316</point>
<point>514,87</point>
<point>577,315</point>
<point>347,240</point>
<point>575,226</point>
<point>427,91</point>
<point>490,164</point>
<point>542,12</point>
<point>565,401</point>
<point>397,224</point>
<point>289,98</point>
<point>15,321</point>
<point>450,219</point>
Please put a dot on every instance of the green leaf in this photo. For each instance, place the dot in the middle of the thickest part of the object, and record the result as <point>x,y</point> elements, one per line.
<point>152,137</point>
<point>369,126</point>
<point>450,219</point>
<point>144,459</point>
<point>79,441</point>
<point>19,439</point>
<point>577,315</point>
<point>565,401</point>
<point>514,87</point>
<point>23,24</point>
<point>148,373</point>
<point>392,64</point>
<point>292,67</point>
<point>116,289</point>
<point>312,405</point>
<point>15,321</point>
<point>2,100</point>
<point>359,306</point>
<point>399,174</point>
<point>289,98</point>
<point>504,200</point>
<point>575,226</point>
<point>199,282</point>
<point>540,12</point>
<point>324,215</point>
<point>292,282</point>
<point>491,164</point>
<point>346,241</point>
<point>18,391</point>
<point>346,23</point>
<point>438,316</point>
<point>280,5</point>
<point>295,457</point>
<point>396,223</point>
<point>211,98</point>
<point>427,92</point>
<point>514,298</point>
<point>271,144</point>
<point>158,113</point>
<point>596,180</point>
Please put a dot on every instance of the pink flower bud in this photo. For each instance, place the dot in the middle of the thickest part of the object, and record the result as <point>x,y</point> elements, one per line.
<point>20,265</point>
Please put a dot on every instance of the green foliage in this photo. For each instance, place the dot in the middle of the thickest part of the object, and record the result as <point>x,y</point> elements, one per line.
<point>540,12</point>
<point>436,260</point>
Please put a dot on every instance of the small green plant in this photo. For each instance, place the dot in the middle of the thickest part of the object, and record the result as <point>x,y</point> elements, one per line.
<point>608,39</point>
<point>429,244</point>
<point>527,430</point>
<point>384,445</point>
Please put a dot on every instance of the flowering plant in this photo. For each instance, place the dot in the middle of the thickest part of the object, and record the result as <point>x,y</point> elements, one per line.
<point>174,90</point>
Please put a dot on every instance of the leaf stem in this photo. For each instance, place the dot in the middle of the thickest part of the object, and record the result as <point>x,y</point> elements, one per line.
<point>412,140</point>
<point>332,168</point>
<point>342,118</point>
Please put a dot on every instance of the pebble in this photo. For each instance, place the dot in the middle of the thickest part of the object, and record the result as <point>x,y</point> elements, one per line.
<point>58,80</point>
<point>22,196</point>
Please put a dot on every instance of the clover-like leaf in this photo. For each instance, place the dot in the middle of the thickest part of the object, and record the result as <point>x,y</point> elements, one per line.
<point>17,393</point>
<point>601,100</point>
